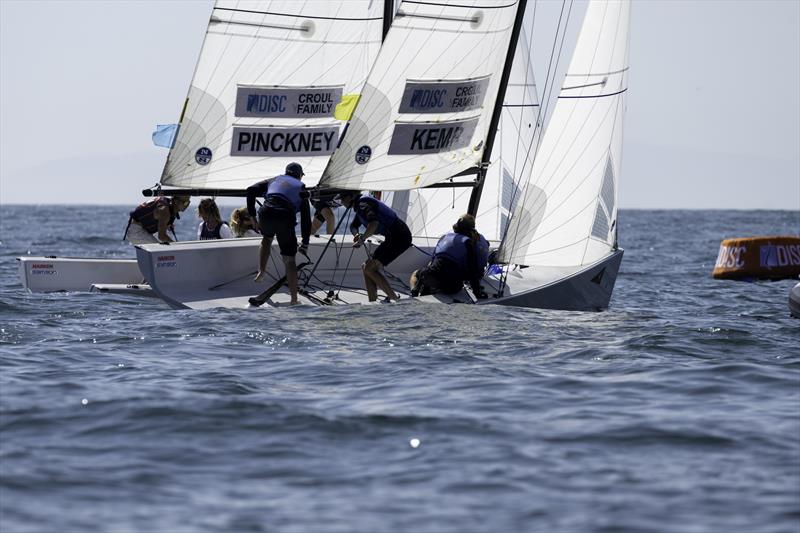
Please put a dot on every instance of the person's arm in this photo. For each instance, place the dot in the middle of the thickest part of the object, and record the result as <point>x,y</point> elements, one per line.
<point>199,230</point>
<point>305,216</point>
<point>225,231</point>
<point>257,189</point>
<point>161,214</point>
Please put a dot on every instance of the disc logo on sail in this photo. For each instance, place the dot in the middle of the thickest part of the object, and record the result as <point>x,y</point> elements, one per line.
<point>283,102</point>
<point>203,156</point>
<point>363,154</point>
<point>443,96</point>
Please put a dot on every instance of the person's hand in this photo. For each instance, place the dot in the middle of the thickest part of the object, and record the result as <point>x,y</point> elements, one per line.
<point>259,276</point>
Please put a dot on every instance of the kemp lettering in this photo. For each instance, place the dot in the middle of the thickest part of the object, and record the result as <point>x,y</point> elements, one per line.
<point>438,139</point>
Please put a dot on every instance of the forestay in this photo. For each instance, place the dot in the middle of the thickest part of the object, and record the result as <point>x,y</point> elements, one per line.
<point>266,86</point>
<point>425,109</point>
<point>568,209</point>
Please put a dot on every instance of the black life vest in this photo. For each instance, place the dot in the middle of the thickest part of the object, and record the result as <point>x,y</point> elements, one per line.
<point>145,213</point>
<point>206,234</point>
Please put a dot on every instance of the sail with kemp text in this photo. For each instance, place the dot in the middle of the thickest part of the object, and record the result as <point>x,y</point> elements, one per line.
<point>432,212</point>
<point>567,211</point>
<point>266,87</point>
<point>425,109</point>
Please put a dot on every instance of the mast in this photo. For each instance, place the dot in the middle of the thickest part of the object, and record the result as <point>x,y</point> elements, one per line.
<point>388,15</point>
<point>475,198</point>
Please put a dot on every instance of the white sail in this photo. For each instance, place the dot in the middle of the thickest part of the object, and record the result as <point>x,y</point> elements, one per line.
<point>265,88</point>
<point>426,106</point>
<point>432,212</point>
<point>568,210</point>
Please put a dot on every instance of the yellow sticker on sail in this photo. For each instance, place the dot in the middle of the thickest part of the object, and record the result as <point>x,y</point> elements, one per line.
<point>344,109</point>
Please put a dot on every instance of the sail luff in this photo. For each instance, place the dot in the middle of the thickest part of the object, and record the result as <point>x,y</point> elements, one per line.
<point>567,214</point>
<point>475,198</point>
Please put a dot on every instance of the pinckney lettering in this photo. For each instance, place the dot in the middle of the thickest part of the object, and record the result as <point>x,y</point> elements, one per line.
<point>284,141</point>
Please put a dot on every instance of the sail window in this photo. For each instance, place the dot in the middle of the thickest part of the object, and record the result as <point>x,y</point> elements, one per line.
<point>600,226</point>
<point>607,190</point>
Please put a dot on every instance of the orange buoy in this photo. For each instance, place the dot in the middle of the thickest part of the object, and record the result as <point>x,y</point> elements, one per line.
<point>758,258</point>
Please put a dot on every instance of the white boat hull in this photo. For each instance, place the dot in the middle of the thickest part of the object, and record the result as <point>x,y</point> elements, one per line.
<point>54,274</point>
<point>208,274</point>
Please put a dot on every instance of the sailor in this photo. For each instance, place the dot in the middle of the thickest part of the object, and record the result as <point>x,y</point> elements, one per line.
<point>155,216</point>
<point>284,196</point>
<point>212,226</point>
<point>459,256</point>
<point>377,218</point>
<point>323,206</point>
<point>242,224</point>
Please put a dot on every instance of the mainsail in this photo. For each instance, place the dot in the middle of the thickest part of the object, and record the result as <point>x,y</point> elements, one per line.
<point>567,211</point>
<point>425,109</point>
<point>432,212</point>
<point>266,86</point>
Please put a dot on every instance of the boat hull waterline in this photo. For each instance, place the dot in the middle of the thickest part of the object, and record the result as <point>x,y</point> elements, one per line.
<point>205,275</point>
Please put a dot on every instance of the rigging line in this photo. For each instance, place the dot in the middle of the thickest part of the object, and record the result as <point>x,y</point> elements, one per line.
<point>542,111</point>
<point>321,255</point>
<point>547,94</point>
<point>304,16</point>
<point>420,2</point>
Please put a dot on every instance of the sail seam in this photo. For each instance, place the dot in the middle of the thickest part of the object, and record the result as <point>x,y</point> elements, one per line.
<point>457,5</point>
<point>595,95</point>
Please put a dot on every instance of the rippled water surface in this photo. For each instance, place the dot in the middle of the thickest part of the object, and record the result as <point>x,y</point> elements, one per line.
<point>677,410</point>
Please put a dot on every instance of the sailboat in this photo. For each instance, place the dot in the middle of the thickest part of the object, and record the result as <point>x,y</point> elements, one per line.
<point>432,103</point>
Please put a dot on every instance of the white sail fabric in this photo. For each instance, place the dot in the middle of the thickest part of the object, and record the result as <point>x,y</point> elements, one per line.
<point>568,211</point>
<point>432,212</point>
<point>265,88</point>
<point>426,106</point>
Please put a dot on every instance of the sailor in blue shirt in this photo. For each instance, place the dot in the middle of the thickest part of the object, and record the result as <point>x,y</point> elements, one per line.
<point>377,218</point>
<point>284,196</point>
<point>459,256</point>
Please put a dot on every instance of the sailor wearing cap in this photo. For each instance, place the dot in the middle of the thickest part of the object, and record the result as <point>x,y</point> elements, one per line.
<point>284,196</point>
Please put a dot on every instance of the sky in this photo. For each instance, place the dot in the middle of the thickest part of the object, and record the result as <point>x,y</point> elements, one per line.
<point>713,117</point>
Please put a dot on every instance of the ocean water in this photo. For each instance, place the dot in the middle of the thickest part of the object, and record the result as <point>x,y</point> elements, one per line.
<point>677,410</point>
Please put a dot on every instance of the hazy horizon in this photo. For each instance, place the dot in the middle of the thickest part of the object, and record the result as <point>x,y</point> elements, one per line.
<point>84,84</point>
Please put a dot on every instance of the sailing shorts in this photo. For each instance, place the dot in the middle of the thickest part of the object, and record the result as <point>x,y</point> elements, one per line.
<point>440,276</point>
<point>279,222</point>
<point>394,244</point>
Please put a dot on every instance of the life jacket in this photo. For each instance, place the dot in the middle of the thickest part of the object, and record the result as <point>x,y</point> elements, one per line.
<point>206,234</point>
<point>287,189</point>
<point>386,216</point>
<point>145,213</point>
<point>453,246</point>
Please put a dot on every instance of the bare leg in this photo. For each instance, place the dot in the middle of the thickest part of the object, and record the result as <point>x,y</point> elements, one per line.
<point>330,220</point>
<point>291,276</point>
<point>315,225</point>
<point>263,256</point>
<point>372,273</point>
<point>372,289</point>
